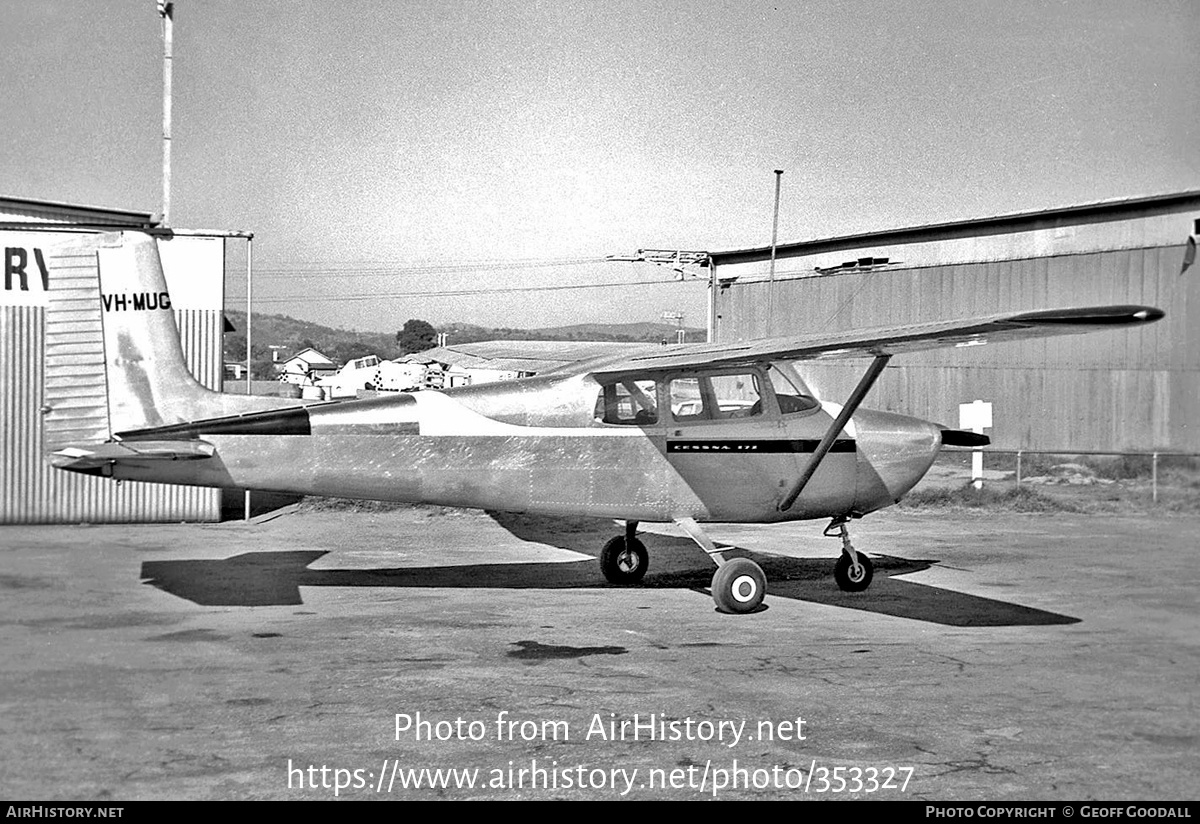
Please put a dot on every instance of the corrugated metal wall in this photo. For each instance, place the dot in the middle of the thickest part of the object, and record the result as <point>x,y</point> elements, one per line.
<point>35,492</point>
<point>1117,391</point>
<point>198,329</point>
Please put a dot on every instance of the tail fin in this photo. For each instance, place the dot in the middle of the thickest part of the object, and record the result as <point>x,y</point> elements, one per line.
<point>113,360</point>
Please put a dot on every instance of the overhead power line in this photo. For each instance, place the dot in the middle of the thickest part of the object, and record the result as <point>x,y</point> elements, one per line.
<point>334,269</point>
<point>440,293</point>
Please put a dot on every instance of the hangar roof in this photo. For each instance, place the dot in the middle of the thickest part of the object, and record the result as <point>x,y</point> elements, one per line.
<point>25,210</point>
<point>999,224</point>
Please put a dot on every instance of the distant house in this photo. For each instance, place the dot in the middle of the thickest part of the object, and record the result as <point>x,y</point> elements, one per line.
<point>305,368</point>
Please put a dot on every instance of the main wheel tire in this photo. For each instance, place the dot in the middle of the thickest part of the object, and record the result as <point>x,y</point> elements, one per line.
<point>624,561</point>
<point>739,586</point>
<point>850,578</point>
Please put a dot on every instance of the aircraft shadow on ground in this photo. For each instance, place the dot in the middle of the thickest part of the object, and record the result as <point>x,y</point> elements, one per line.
<point>275,578</point>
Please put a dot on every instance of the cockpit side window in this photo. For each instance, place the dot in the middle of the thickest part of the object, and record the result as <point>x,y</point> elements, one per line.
<point>790,391</point>
<point>687,401</point>
<point>736,396</point>
<point>628,402</point>
<point>716,397</point>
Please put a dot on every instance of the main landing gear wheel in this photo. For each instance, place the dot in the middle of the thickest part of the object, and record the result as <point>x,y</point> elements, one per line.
<point>624,560</point>
<point>853,577</point>
<point>739,586</point>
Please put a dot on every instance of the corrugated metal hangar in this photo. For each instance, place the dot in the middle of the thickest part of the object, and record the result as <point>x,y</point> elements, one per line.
<point>1122,391</point>
<point>30,490</point>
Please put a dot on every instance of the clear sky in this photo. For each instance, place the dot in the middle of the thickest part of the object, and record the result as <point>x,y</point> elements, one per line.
<point>387,148</point>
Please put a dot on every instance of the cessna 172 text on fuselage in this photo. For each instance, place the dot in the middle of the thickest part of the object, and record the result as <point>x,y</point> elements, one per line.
<point>685,434</point>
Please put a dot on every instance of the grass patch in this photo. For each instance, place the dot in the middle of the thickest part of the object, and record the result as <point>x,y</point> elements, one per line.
<point>1016,499</point>
<point>316,503</point>
<point>1106,467</point>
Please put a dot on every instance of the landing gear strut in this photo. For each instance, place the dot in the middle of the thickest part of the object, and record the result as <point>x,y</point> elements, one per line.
<point>739,584</point>
<point>624,559</point>
<point>853,570</point>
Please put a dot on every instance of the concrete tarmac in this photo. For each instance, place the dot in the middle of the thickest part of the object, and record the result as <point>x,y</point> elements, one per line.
<point>997,656</point>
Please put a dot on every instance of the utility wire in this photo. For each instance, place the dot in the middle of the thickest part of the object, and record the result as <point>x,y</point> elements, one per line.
<point>328,269</point>
<point>457,292</point>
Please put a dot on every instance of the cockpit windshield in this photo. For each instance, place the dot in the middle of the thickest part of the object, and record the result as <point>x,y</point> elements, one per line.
<point>790,390</point>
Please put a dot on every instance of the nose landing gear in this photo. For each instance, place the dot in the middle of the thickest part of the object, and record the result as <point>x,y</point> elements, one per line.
<point>739,584</point>
<point>853,571</point>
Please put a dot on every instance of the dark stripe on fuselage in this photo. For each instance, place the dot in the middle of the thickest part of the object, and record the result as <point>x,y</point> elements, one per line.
<point>758,447</point>
<point>273,422</point>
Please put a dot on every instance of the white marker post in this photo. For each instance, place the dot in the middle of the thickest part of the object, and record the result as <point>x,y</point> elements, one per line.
<point>976,417</point>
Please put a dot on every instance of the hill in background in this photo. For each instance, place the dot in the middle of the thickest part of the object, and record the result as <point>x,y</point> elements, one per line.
<point>621,332</point>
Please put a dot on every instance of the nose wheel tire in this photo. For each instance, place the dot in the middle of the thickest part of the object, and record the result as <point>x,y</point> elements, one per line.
<point>624,561</point>
<point>739,586</point>
<point>853,577</point>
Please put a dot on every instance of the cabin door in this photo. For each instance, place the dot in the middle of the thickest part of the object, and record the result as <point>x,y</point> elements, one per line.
<point>728,443</point>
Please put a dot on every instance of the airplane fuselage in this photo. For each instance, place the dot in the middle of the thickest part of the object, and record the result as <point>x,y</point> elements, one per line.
<point>543,445</point>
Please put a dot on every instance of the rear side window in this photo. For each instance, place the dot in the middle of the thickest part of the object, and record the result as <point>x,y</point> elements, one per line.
<point>629,402</point>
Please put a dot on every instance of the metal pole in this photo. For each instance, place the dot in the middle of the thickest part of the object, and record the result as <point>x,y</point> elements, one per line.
<point>712,302</point>
<point>774,240</point>
<point>1018,468</point>
<point>1154,478</point>
<point>249,340</point>
<point>167,11</point>
<point>249,297</point>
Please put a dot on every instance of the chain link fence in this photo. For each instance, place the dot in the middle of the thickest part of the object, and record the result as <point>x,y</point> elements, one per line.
<point>1149,475</point>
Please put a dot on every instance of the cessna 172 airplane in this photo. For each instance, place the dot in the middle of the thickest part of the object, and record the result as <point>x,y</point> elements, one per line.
<point>724,432</point>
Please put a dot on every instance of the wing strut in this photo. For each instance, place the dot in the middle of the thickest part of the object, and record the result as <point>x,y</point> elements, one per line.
<point>852,403</point>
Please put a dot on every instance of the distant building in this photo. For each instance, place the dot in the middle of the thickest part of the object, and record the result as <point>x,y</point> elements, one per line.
<point>194,267</point>
<point>1119,391</point>
<point>306,367</point>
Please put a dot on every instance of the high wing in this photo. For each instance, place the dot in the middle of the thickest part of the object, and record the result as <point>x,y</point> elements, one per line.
<point>884,341</point>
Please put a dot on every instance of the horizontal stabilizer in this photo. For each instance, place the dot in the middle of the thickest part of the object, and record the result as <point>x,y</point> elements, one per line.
<point>93,457</point>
